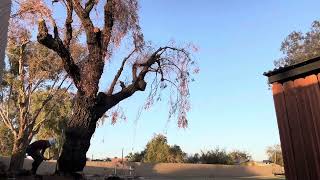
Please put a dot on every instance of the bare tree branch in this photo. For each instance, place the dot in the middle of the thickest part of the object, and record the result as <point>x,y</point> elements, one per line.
<point>28,103</point>
<point>22,97</point>
<point>85,20</point>
<point>170,63</point>
<point>57,45</point>
<point>134,72</point>
<point>116,78</point>
<point>68,22</point>
<point>171,82</point>
<point>106,101</point>
<point>8,103</point>
<point>89,5</point>
<point>37,84</point>
<point>7,122</point>
<point>108,24</point>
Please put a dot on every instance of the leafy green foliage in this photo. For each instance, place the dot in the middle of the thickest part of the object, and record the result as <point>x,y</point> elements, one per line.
<point>136,157</point>
<point>6,142</point>
<point>299,47</point>
<point>195,159</point>
<point>238,156</point>
<point>158,151</point>
<point>34,91</point>
<point>31,69</point>
<point>176,155</point>
<point>219,156</point>
<point>56,119</point>
<point>216,156</point>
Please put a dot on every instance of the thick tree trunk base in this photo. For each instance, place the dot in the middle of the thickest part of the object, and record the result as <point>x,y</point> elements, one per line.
<point>18,155</point>
<point>73,157</point>
<point>16,162</point>
<point>78,135</point>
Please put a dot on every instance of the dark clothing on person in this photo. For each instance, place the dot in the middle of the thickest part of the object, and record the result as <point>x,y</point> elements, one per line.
<point>40,145</point>
<point>36,151</point>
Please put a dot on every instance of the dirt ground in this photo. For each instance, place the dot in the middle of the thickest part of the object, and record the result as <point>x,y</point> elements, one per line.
<point>151,178</point>
<point>160,171</point>
<point>98,177</point>
<point>220,178</point>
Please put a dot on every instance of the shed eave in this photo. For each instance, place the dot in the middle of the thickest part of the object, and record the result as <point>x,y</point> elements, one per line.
<point>294,71</point>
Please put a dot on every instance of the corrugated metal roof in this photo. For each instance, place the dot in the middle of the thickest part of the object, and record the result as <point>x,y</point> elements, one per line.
<point>292,71</point>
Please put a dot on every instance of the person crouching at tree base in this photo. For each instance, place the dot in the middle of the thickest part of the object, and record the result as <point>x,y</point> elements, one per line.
<point>36,151</point>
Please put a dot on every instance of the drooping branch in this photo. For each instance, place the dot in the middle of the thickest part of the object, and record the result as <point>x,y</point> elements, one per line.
<point>156,58</point>
<point>107,101</point>
<point>160,69</point>
<point>57,45</point>
<point>116,78</point>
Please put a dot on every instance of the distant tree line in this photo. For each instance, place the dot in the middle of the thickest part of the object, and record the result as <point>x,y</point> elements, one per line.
<point>158,150</point>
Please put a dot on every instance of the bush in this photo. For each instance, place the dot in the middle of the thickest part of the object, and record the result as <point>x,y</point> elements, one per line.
<point>195,159</point>
<point>6,142</point>
<point>158,151</point>
<point>136,157</point>
<point>219,156</point>
<point>216,156</point>
<point>239,157</point>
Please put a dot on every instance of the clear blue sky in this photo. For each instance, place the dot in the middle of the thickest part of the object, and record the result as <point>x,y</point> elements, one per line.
<point>232,106</point>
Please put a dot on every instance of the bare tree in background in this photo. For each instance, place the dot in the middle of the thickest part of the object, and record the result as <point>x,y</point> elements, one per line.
<point>275,154</point>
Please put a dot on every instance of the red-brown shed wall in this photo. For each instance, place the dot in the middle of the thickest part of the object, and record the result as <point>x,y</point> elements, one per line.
<point>297,105</point>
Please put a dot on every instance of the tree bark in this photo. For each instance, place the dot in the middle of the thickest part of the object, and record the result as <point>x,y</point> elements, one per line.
<point>18,153</point>
<point>82,125</point>
<point>78,134</point>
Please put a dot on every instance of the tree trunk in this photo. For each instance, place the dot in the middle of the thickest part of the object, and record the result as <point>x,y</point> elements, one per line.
<point>79,131</point>
<point>86,112</point>
<point>18,152</point>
